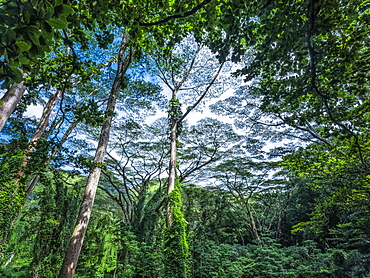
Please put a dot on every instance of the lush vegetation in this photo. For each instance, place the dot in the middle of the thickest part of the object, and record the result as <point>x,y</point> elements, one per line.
<point>95,183</point>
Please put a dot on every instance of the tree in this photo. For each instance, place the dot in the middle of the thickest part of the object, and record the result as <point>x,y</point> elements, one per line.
<point>53,85</point>
<point>74,249</point>
<point>308,74</point>
<point>135,167</point>
<point>135,36</point>
<point>243,178</point>
<point>193,80</point>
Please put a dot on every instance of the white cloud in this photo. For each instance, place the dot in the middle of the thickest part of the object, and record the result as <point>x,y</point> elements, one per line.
<point>34,110</point>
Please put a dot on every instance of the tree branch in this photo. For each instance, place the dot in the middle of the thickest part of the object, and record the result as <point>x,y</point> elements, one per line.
<point>186,14</point>
<point>204,93</point>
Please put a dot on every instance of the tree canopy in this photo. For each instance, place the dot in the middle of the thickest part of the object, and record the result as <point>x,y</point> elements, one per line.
<point>272,181</point>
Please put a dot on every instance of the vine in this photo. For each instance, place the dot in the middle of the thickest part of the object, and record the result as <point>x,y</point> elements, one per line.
<point>176,247</point>
<point>11,191</point>
<point>175,114</point>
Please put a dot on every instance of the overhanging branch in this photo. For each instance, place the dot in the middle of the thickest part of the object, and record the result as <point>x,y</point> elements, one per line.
<point>186,14</point>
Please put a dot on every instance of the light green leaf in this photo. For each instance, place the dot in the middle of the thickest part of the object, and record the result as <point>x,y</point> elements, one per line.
<point>23,46</point>
<point>57,23</point>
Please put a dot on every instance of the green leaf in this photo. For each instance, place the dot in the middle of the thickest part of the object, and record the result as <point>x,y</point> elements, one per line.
<point>33,34</point>
<point>23,60</point>
<point>36,50</point>
<point>67,10</point>
<point>10,36</point>
<point>18,76</point>
<point>23,46</point>
<point>57,23</point>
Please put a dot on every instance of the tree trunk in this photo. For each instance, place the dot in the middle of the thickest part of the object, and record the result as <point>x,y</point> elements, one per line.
<point>173,150</point>
<point>31,185</point>
<point>172,169</point>
<point>9,101</point>
<point>74,248</point>
<point>174,118</point>
<point>31,146</point>
<point>253,226</point>
<point>44,121</point>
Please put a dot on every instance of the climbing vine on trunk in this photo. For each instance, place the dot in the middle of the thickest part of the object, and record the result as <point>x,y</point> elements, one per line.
<point>176,247</point>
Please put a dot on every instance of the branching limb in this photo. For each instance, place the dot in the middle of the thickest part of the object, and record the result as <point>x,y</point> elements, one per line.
<point>186,14</point>
<point>204,93</point>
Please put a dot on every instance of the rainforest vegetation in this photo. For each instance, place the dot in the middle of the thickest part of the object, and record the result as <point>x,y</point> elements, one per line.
<point>185,138</point>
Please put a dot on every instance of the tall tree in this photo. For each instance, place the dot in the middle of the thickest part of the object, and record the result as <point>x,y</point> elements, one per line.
<point>309,72</point>
<point>154,27</point>
<point>192,72</point>
<point>74,249</point>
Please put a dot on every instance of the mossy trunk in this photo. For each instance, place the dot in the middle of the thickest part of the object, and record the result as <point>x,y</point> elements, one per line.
<point>176,249</point>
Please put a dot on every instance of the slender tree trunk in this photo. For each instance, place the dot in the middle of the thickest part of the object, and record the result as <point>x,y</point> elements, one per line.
<point>31,185</point>
<point>32,145</point>
<point>175,241</point>
<point>44,121</point>
<point>254,229</point>
<point>175,121</point>
<point>173,150</point>
<point>74,248</point>
<point>9,101</point>
<point>172,166</point>
<point>172,169</point>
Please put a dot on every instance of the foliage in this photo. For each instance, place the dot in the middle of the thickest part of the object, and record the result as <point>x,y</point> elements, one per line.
<point>271,260</point>
<point>175,238</point>
<point>99,255</point>
<point>28,29</point>
<point>174,110</point>
<point>11,193</point>
<point>297,208</point>
<point>43,227</point>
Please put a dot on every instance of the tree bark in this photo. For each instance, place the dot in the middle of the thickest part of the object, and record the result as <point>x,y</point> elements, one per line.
<point>253,226</point>
<point>9,101</point>
<point>172,170</point>
<point>74,248</point>
<point>44,121</point>
<point>172,166</point>
<point>174,133</point>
